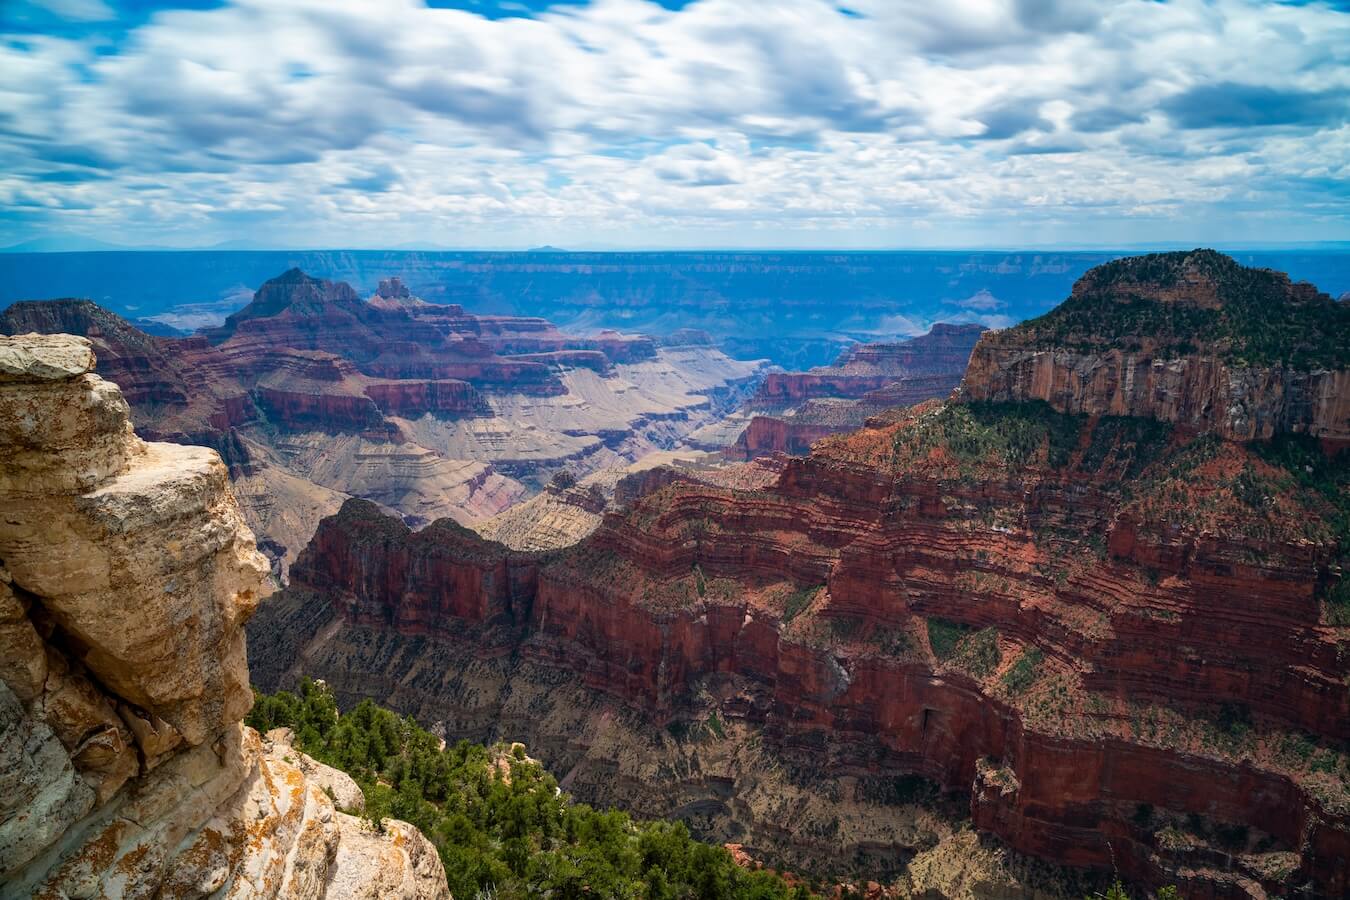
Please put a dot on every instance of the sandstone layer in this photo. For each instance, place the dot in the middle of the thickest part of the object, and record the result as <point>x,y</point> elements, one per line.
<point>792,410</point>
<point>1190,338</point>
<point>564,512</point>
<point>126,577</point>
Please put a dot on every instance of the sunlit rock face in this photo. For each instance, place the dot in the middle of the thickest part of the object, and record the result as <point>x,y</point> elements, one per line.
<point>126,577</point>
<point>793,410</point>
<point>312,394</point>
<point>1189,338</point>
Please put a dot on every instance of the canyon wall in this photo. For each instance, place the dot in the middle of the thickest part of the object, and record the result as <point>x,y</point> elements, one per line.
<point>1111,641</point>
<point>126,578</point>
<point>937,358</point>
<point>1190,338</point>
<point>312,394</point>
<point>792,410</point>
<point>1117,718</point>
<point>1252,402</point>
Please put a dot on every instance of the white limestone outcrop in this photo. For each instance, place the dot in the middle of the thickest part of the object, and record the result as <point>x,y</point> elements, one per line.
<point>126,577</point>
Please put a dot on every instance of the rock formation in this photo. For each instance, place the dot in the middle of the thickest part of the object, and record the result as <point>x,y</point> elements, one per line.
<point>312,394</point>
<point>562,514</point>
<point>126,577</point>
<point>1114,641</point>
<point>1191,338</point>
<point>939,356</point>
<point>792,410</point>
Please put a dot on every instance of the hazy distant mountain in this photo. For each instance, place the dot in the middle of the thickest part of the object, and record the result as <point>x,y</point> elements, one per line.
<point>799,309</point>
<point>62,243</point>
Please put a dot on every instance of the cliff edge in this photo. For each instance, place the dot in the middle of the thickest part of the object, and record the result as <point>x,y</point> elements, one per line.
<point>126,577</point>
<point>1192,338</point>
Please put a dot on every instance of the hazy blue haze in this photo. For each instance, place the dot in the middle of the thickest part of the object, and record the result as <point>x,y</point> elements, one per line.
<point>797,308</point>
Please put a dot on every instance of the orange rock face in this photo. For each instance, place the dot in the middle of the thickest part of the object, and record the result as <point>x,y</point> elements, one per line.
<point>1190,338</point>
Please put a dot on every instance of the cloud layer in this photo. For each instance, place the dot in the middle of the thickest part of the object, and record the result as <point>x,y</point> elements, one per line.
<point>731,122</point>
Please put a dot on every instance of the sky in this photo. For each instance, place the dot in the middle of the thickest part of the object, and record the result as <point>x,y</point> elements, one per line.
<point>712,123</point>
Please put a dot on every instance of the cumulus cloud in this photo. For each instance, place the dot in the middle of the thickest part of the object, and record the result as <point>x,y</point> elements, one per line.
<point>720,121</point>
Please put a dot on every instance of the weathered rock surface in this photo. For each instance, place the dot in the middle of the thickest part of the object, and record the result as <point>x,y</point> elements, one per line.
<point>935,358</point>
<point>793,410</point>
<point>126,577</point>
<point>421,407</point>
<point>1190,338</point>
<point>560,516</point>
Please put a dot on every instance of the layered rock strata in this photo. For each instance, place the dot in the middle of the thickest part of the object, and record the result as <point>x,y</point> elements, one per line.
<point>312,394</point>
<point>126,577</point>
<point>1161,697</point>
<point>938,357</point>
<point>1191,338</point>
<point>1114,641</point>
<point>792,410</point>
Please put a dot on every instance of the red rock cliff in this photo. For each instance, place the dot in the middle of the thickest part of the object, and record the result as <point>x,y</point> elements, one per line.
<point>945,608</point>
<point>1130,638</point>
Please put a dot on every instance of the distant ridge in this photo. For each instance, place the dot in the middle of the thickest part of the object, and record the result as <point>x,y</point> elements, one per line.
<point>64,244</point>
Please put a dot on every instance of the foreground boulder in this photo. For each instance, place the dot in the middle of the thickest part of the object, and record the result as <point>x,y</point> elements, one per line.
<point>126,577</point>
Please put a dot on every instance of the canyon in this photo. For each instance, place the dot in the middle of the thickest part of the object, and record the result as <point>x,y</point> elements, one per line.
<point>1087,615</point>
<point>127,575</point>
<point>797,309</point>
<point>312,394</point>
<point>792,410</point>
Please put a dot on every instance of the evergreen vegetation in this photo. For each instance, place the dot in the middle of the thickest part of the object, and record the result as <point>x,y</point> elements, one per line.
<point>502,827</point>
<point>1255,323</point>
<point>1023,672</point>
<point>944,635</point>
<point>1002,434</point>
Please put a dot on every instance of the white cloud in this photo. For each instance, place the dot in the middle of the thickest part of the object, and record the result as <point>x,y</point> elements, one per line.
<point>1008,121</point>
<point>81,10</point>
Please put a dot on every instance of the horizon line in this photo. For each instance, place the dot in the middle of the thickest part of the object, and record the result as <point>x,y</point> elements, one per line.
<point>1164,246</point>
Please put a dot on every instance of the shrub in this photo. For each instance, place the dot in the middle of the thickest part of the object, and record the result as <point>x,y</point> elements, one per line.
<point>799,600</point>
<point>943,636</point>
<point>516,839</point>
<point>1023,672</point>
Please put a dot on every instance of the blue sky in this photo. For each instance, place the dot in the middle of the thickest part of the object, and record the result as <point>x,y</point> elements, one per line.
<point>631,123</point>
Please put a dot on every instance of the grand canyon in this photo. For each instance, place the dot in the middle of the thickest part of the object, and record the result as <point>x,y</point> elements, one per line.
<point>674,450</point>
<point>978,613</point>
<point>1092,601</point>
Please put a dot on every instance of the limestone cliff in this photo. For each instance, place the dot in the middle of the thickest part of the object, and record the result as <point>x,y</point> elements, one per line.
<point>1191,338</point>
<point>126,577</point>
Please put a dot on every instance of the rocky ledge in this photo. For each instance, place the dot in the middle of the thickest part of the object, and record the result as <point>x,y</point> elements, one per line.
<point>126,577</point>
